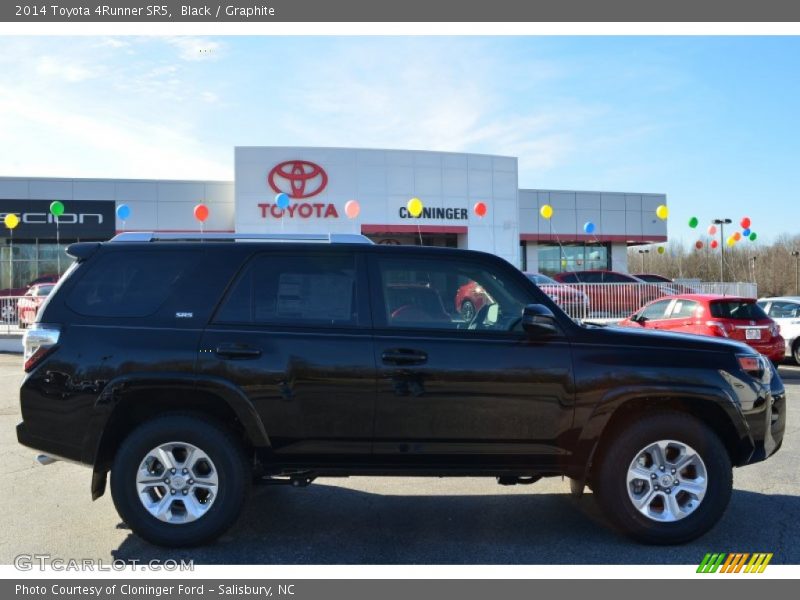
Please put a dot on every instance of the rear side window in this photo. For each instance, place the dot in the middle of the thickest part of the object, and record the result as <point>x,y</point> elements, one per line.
<point>684,309</point>
<point>129,283</point>
<point>737,310</point>
<point>294,290</point>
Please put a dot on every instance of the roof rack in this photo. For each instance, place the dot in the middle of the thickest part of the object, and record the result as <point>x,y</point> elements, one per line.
<point>321,238</point>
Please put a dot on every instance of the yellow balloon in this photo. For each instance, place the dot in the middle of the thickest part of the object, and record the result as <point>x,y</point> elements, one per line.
<point>662,212</point>
<point>661,250</point>
<point>11,220</point>
<point>546,211</point>
<point>414,207</point>
<point>731,241</point>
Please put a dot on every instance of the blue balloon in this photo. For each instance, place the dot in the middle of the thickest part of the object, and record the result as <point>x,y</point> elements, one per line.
<point>123,212</point>
<point>282,200</point>
<point>746,232</point>
<point>588,227</point>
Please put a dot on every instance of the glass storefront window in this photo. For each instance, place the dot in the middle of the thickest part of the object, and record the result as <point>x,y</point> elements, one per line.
<point>30,260</point>
<point>557,258</point>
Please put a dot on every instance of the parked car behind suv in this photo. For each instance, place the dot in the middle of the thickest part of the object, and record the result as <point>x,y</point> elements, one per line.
<point>709,314</point>
<point>190,370</point>
<point>785,311</point>
<point>611,294</point>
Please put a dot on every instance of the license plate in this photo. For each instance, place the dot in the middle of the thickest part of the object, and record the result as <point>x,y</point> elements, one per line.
<point>752,334</point>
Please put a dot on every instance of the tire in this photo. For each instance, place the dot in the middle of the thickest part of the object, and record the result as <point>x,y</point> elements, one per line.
<point>671,515</point>
<point>796,351</point>
<point>467,310</point>
<point>220,459</point>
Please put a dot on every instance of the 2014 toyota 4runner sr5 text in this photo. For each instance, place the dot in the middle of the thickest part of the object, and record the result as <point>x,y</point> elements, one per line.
<point>192,368</point>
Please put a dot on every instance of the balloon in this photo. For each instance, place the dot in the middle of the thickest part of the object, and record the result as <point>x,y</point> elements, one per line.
<point>588,227</point>
<point>731,241</point>
<point>351,209</point>
<point>693,222</point>
<point>662,212</point>
<point>56,208</point>
<point>661,250</point>
<point>480,209</point>
<point>201,212</point>
<point>745,223</point>
<point>698,244</point>
<point>414,207</point>
<point>712,230</point>
<point>282,200</point>
<point>11,220</point>
<point>123,212</point>
<point>714,244</point>
<point>546,211</point>
<point>737,236</point>
<point>746,233</point>
<point>753,236</point>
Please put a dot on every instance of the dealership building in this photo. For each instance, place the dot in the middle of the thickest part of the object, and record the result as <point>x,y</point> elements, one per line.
<point>319,183</point>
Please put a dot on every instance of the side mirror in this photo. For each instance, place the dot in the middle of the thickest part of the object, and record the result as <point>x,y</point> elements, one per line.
<point>539,320</point>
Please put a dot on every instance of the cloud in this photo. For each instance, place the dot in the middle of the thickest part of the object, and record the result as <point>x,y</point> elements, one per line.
<point>65,69</point>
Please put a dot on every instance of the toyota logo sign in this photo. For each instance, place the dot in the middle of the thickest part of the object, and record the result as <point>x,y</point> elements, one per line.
<point>298,178</point>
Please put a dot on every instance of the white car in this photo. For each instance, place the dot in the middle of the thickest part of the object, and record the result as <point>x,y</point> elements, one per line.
<point>785,311</point>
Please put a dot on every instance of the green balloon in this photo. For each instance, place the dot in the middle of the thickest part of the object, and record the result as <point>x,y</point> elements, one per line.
<point>693,222</point>
<point>753,236</point>
<point>56,208</point>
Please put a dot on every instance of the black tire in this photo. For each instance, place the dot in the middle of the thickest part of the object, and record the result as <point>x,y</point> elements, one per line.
<point>610,477</point>
<point>231,467</point>
<point>467,310</point>
<point>796,351</point>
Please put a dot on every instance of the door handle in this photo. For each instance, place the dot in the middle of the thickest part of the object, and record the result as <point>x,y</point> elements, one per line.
<point>236,351</point>
<point>403,356</point>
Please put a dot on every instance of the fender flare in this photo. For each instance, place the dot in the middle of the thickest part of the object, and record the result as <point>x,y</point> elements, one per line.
<point>591,434</point>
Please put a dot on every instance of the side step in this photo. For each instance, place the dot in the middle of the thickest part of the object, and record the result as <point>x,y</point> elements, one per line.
<point>294,480</point>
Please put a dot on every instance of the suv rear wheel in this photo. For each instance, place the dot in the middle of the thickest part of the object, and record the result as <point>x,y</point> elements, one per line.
<point>179,480</point>
<point>666,478</point>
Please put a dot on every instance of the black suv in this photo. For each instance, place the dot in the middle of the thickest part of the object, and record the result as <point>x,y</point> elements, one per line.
<point>193,368</point>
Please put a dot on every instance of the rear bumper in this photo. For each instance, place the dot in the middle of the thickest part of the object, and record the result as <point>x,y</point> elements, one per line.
<point>774,350</point>
<point>51,447</point>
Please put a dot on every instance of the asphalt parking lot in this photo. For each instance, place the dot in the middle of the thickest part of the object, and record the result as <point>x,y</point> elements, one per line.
<point>362,520</point>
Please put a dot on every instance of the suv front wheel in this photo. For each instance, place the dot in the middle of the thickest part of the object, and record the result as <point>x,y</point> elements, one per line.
<point>179,480</point>
<point>666,478</point>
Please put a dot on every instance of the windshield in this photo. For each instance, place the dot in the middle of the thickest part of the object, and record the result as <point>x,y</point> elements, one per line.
<point>540,279</point>
<point>737,309</point>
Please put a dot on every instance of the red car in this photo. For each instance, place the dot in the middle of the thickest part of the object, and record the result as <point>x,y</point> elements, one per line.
<point>29,304</point>
<point>730,317</point>
<point>470,297</point>
<point>611,294</point>
<point>574,302</point>
<point>665,283</point>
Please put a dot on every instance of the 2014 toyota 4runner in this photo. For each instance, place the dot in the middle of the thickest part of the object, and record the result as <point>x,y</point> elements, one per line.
<point>193,368</point>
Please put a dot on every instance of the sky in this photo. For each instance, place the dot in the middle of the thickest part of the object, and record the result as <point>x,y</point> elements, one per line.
<point>713,122</point>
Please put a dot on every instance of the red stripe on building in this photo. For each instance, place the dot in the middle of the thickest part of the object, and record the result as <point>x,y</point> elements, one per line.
<point>413,229</point>
<point>583,237</point>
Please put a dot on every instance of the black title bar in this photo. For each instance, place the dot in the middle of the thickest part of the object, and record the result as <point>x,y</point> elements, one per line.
<point>407,10</point>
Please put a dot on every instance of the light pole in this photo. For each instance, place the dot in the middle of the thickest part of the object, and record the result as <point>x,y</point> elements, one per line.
<point>643,252</point>
<point>796,255</point>
<point>722,223</point>
<point>753,268</point>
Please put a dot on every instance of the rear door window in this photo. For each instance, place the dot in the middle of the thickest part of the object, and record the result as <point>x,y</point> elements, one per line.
<point>736,309</point>
<point>130,283</point>
<point>301,290</point>
<point>684,309</point>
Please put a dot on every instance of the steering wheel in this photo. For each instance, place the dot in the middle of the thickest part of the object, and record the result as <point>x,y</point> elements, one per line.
<point>479,318</point>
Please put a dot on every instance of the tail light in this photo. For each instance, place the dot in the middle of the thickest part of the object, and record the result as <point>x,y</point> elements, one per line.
<point>753,364</point>
<point>718,328</point>
<point>39,341</point>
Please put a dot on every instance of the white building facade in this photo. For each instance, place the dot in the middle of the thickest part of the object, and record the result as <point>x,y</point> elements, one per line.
<point>319,183</point>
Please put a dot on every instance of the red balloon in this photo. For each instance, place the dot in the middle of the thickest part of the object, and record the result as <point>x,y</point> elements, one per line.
<point>480,209</point>
<point>698,244</point>
<point>714,244</point>
<point>745,223</point>
<point>712,230</point>
<point>201,212</point>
